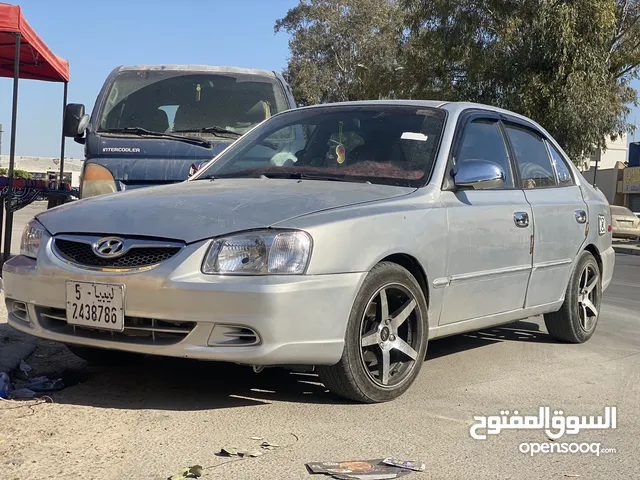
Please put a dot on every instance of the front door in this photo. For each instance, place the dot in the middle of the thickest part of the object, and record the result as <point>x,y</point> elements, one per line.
<point>490,230</point>
<point>559,212</point>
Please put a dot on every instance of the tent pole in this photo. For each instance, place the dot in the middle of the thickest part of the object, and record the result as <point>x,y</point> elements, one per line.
<point>62,142</point>
<point>8,225</point>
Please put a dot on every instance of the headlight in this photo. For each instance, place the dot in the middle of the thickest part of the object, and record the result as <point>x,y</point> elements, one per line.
<point>259,253</point>
<point>96,180</point>
<point>31,236</point>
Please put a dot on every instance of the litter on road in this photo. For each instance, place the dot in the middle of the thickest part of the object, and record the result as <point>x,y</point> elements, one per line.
<point>187,472</point>
<point>233,451</point>
<point>29,390</point>
<point>25,368</point>
<point>5,385</point>
<point>380,469</point>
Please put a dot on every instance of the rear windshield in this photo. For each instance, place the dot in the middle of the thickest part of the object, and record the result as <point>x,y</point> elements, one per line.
<point>617,210</point>
<point>170,101</point>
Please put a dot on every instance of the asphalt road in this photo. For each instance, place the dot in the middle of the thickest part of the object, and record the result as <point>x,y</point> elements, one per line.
<point>149,420</point>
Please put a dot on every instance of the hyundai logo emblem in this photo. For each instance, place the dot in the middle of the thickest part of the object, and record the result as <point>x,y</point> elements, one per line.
<point>110,247</point>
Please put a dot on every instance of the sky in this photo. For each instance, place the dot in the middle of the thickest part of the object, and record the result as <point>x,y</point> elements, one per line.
<point>97,36</point>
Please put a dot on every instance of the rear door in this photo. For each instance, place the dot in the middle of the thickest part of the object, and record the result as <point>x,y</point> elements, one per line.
<point>559,211</point>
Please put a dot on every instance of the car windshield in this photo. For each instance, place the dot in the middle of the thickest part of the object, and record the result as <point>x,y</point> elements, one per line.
<point>168,101</point>
<point>385,144</point>
<point>617,210</point>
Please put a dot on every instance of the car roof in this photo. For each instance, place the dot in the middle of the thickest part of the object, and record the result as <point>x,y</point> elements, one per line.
<point>199,68</point>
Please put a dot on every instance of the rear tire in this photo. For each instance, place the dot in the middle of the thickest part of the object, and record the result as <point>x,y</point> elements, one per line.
<point>385,341</point>
<point>102,356</point>
<point>577,319</point>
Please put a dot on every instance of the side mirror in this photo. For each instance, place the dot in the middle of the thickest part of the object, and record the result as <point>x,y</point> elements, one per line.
<point>75,120</point>
<point>478,174</point>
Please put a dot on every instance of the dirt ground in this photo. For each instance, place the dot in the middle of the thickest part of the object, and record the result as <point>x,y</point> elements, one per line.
<point>147,420</point>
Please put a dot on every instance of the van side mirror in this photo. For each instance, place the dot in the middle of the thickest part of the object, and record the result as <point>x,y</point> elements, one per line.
<point>478,174</point>
<point>75,120</point>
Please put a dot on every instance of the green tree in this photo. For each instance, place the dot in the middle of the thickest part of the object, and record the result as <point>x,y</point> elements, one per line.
<point>567,65</point>
<point>342,49</point>
<point>16,173</point>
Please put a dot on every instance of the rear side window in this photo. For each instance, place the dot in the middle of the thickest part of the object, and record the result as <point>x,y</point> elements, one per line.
<point>562,169</point>
<point>532,157</point>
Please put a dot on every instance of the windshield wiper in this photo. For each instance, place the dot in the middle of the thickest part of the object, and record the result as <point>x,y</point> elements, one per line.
<point>216,130</point>
<point>286,175</point>
<point>311,176</point>
<point>151,133</point>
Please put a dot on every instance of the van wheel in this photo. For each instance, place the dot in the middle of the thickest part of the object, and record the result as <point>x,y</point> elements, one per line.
<point>102,356</point>
<point>576,320</point>
<point>386,338</point>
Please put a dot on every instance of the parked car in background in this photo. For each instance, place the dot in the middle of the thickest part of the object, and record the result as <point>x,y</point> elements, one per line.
<point>396,223</point>
<point>151,124</point>
<point>625,223</point>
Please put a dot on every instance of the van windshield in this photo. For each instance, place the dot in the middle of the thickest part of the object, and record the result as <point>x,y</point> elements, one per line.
<point>167,101</point>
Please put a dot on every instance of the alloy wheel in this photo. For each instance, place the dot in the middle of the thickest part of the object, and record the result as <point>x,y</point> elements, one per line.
<point>390,335</point>
<point>588,297</point>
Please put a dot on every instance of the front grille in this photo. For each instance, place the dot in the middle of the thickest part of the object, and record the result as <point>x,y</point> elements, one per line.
<point>142,331</point>
<point>81,253</point>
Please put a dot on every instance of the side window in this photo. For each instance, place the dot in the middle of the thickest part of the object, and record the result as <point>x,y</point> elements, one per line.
<point>482,140</point>
<point>532,157</point>
<point>564,175</point>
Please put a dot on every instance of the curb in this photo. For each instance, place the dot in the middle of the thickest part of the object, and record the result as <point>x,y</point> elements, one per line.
<point>14,347</point>
<point>627,250</point>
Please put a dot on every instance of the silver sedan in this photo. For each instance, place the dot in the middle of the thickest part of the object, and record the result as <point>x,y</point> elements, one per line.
<point>337,237</point>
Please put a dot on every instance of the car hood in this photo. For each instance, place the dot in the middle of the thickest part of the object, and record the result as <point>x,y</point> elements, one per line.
<point>192,211</point>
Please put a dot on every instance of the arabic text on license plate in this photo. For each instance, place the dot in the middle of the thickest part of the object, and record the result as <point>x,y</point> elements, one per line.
<point>97,305</point>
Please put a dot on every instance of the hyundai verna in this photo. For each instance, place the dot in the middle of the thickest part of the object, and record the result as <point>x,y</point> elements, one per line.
<point>396,223</point>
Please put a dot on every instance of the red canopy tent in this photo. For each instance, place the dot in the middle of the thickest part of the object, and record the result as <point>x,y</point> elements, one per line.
<point>24,55</point>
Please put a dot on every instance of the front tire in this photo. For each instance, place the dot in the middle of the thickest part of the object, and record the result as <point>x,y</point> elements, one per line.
<point>385,341</point>
<point>576,320</point>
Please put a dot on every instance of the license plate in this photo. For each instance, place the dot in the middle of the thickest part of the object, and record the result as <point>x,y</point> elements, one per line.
<point>96,305</point>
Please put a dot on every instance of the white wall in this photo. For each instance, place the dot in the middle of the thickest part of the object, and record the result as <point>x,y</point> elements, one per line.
<point>616,152</point>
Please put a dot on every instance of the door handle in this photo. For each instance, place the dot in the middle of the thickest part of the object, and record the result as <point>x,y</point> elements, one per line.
<point>521,219</point>
<point>581,216</point>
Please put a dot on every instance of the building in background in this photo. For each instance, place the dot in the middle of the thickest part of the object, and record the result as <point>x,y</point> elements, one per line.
<point>47,168</point>
<point>609,181</point>
<point>606,159</point>
<point>631,188</point>
<point>611,163</point>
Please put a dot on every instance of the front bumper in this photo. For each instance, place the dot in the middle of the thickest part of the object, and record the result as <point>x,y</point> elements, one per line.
<point>298,320</point>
